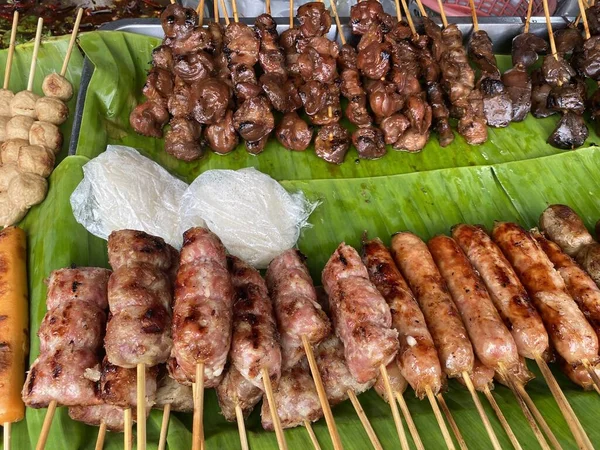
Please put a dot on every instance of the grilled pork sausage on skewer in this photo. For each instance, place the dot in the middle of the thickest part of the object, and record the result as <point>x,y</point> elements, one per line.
<point>233,392</point>
<point>417,356</point>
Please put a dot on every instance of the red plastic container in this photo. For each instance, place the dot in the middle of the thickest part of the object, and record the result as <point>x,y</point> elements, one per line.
<point>513,8</point>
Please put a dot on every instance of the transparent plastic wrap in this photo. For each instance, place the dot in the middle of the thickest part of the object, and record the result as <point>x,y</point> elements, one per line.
<point>255,217</point>
<point>123,189</point>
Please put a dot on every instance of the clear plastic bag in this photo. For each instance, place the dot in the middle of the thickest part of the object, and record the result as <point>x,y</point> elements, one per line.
<point>255,217</point>
<point>123,189</point>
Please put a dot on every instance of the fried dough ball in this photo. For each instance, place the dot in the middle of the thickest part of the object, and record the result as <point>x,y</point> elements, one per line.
<point>5,98</point>
<point>57,86</point>
<point>27,189</point>
<point>3,121</point>
<point>46,134</point>
<point>9,150</point>
<point>23,104</point>
<point>7,173</point>
<point>18,127</point>
<point>36,159</point>
<point>51,110</point>
<point>10,214</point>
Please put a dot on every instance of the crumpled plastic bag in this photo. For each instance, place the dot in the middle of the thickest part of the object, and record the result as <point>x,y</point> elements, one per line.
<point>123,189</point>
<point>255,217</point>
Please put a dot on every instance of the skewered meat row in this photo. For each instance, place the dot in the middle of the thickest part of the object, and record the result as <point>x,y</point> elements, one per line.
<point>70,339</point>
<point>295,303</point>
<point>417,357</point>
<point>139,296</point>
<point>255,340</point>
<point>361,317</point>
<point>202,311</point>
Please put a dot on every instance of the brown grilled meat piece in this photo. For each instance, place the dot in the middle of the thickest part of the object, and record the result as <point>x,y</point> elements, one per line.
<point>314,19</point>
<point>241,45</point>
<point>199,39</point>
<point>568,40</point>
<point>332,143</point>
<point>178,22</point>
<point>374,61</point>
<point>571,132</point>
<point>179,102</point>
<point>293,132</point>
<point>158,86</point>
<point>539,95</point>
<point>314,66</point>
<point>314,96</point>
<point>557,72</point>
<point>234,388</point>
<point>518,86</point>
<point>149,118</point>
<point>393,127</point>
<point>440,113</point>
<point>118,386</point>
<point>363,15</point>
<point>254,120</point>
<point>525,49</point>
<point>369,142</point>
<point>568,97</point>
<point>112,416</point>
<point>194,67</point>
<point>210,99</point>
<point>221,136</point>
<point>162,58</point>
<point>356,111</point>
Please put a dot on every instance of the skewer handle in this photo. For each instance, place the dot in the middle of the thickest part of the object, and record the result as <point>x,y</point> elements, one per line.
<point>312,435</point>
<point>421,8</point>
<point>36,49</point>
<point>281,442</point>
<point>141,407</point>
<point>127,429</point>
<point>7,435</point>
<point>482,414</point>
<point>164,427</point>
<point>394,406</point>
<point>239,415</point>
<point>41,444</point>
<point>101,436</point>
<point>291,13</point>
<point>531,410</point>
<point>11,50</point>
<point>528,18</point>
<point>197,427</point>
<point>411,24</point>
<point>337,22</point>
<point>586,26</point>
<point>474,15</point>
<point>360,412</point>
<point>268,6</point>
<point>399,12</point>
<point>72,42</point>
<point>549,27</point>
<point>224,12</point>
<point>235,11</point>
<point>457,434</point>
<point>314,369</point>
<point>200,11</point>
<point>511,435</point>
<point>443,13</point>
<point>409,421</point>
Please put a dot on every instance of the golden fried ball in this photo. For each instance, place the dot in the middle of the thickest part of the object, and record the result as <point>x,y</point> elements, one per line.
<point>36,159</point>
<point>57,86</point>
<point>23,104</point>
<point>27,189</point>
<point>18,127</point>
<point>7,173</point>
<point>9,150</point>
<point>10,214</point>
<point>51,110</point>
<point>3,121</point>
<point>6,96</point>
<point>46,134</point>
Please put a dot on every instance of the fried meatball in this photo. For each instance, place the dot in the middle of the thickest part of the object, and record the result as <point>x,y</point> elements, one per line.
<point>10,214</point>
<point>27,189</point>
<point>53,110</point>
<point>46,134</point>
<point>9,150</point>
<point>36,159</point>
<point>23,104</point>
<point>57,86</point>
<point>18,127</point>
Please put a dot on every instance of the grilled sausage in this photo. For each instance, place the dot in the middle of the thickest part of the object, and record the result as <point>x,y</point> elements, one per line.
<point>397,382</point>
<point>417,357</point>
<point>491,340</point>
<point>505,289</point>
<point>571,334</point>
<point>482,377</point>
<point>563,226</point>
<point>234,388</point>
<point>442,317</point>
<point>361,317</point>
<point>255,340</point>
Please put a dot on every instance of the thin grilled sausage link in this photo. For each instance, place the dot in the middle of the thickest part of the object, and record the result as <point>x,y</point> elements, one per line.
<point>443,319</point>
<point>505,289</point>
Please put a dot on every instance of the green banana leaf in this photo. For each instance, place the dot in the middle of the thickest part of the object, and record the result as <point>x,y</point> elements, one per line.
<point>427,203</point>
<point>121,61</point>
<point>50,59</point>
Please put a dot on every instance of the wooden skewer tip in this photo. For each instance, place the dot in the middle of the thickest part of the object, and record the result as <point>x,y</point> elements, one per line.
<point>198,426</point>
<point>273,409</point>
<point>164,427</point>
<point>394,407</point>
<point>364,420</point>
<point>482,414</point>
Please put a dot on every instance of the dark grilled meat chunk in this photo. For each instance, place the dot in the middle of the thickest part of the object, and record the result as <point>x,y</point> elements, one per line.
<point>199,39</point>
<point>565,98</point>
<point>314,19</point>
<point>518,86</point>
<point>314,66</point>
<point>178,22</point>
<point>393,127</point>
<point>182,140</point>
<point>539,95</point>
<point>369,143</point>
<point>241,44</point>
<point>271,57</point>
<point>440,114</point>
<point>363,15</point>
<point>256,147</point>
<point>418,112</point>
<point>210,98</point>
<point>293,132</point>
<point>112,416</point>
<point>570,132</point>
<point>433,31</point>
<point>383,99</point>
<point>525,49</point>
<point>590,64</point>
<point>567,41</point>
<point>158,86</point>
<point>411,141</point>
<point>179,103</point>
<point>221,136</point>
<point>314,96</point>
<point>332,143</point>
<point>162,57</point>
<point>149,118</point>
<point>557,71</point>
<point>497,105</point>
<point>118,386</point>
<point>356,111</point>
<point>254,119</point>
<point>194,67</point>
<point>374,61</point>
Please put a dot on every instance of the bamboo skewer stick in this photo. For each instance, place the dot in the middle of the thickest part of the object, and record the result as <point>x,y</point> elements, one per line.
<point>505,425</point>
<point>164,427</point>
<point>268,6</point>
<point>549,27</point>
<point>532,409</point>
<point>481,411</point>
<point>200,11</point>
<point>337,22</point>
<point>579,433</point>
<point>474,15</point>
<point>198,427</point>
<point>453,425</point>
<point>443,13</point>
<point>578,19</point>
<point>421,8</point>
<point>409,421</point>
<point>36,49</point>
<point>127,429</point>
<point>312,435</point>
<point>7,434</point>
<point>399,11</point>
<point>225,12</point>
<point>364,420</point>
<point>141,407</point>
<point>291,13</point>
<point>593,375</point>
<point>411,24</point>
<point>528,18</point>
<point>440,419</point>
<point>239,415</point>
<point>331,426</point>
<point>394,406</point>
<point>586,26</point>
<point>63,71</point>
<point>236,19</point>
<point>101,436</point>
<point>273,409</point>
<point>11,49</point>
